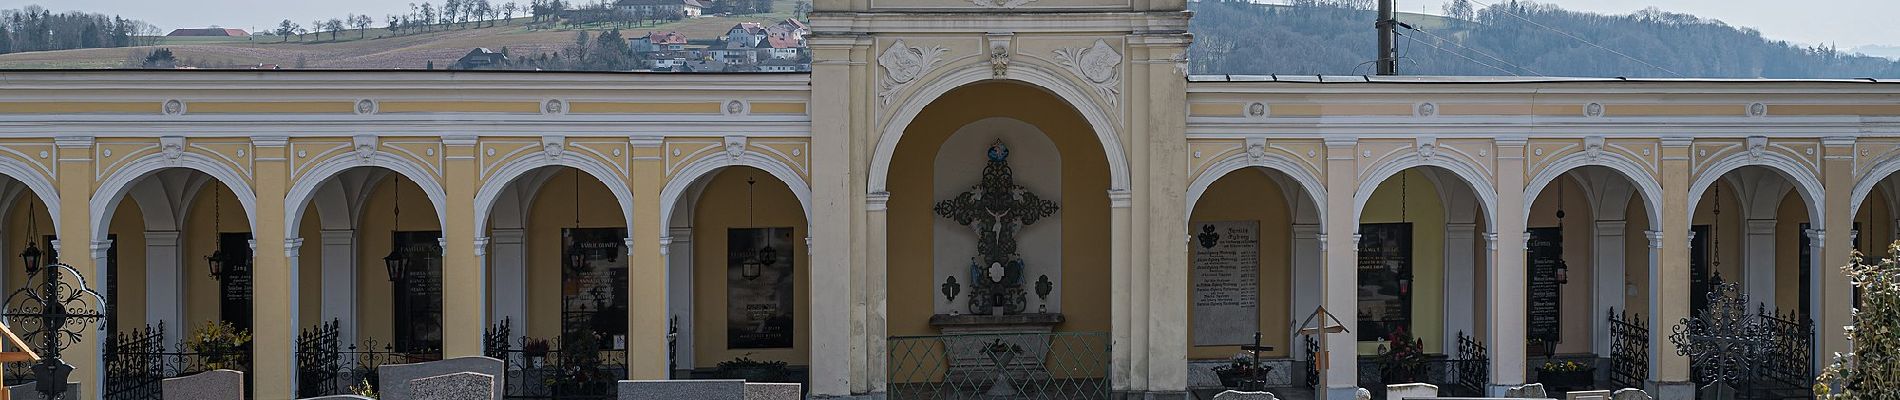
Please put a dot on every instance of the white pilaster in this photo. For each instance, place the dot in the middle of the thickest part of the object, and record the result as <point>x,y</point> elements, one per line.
<point>1306,269</point>
<point>1461,276</point>
<point>679,293</point>
<point>507,257</point>
<point>1607,285</point>
<point>164,282</point>
<point>1758,261</point>
<point>339,281</point>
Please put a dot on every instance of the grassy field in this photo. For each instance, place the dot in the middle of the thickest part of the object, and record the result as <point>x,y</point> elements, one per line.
<point>374,49</point>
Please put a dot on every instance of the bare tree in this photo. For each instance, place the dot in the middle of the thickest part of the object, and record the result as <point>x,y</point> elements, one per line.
<point>508,13</point>
<point>284,29</point>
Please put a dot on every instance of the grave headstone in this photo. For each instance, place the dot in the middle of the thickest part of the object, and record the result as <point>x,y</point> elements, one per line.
<point>1630,394</point>
<point>1587,395</point>
<point>1530,391</point>
<point>395,378</point>
<point>711,389</point>
<point>773,391</point>
<point>219,384</point>
<point>1717,391</point>
<point>31,391</point>
<point>1239,395</point>
<point>1362,394</point>
<point>456,386</point>
<point>1411,391</point>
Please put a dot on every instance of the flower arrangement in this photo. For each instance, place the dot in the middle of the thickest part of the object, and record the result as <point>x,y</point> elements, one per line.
<point>1563,366</point>
<point>1239,369</point>
<point>1404,359</point>
<point>1565,375</point>
<point>753,371</point>
<point>221,345</point>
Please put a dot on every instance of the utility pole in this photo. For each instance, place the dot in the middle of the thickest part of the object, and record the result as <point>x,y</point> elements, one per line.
<point>1388,63</point>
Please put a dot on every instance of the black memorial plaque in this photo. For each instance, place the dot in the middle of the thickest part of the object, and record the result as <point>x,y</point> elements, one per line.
<point>1545,253</point>
<point>1385,280</point>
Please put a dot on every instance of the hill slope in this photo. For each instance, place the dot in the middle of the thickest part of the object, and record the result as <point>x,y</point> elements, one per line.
<point>1235,37</point>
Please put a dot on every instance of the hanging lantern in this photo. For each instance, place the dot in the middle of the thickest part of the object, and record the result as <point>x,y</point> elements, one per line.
<point>397,264</point>
<point>751,268</point>
<point>31,257</point>
<point>217,262</point>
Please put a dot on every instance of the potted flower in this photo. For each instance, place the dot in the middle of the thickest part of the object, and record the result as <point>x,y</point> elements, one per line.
<point>752,371</point>
<point>1566,375</point>
<point>536,350</point>
<point>221,345</point>
<point>1242,373</point>
<point>1404,359</point>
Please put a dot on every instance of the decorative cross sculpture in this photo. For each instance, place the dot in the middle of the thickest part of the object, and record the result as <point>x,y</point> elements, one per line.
<point>995,209</point>
<point>1724,341</point>
<point>55,311</point>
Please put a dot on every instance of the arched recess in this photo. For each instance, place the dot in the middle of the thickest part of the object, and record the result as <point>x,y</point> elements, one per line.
<point>305,188</point>
<point>711,205</point>
<point>491,190</point>
<point>114,188</point>
<point>1806,183</point>
<point>1287,233</point>
<point>1308,183</point>
<point>1078,99</point>
<point>1474,179</point>
<point>687,177</point>
<point>35,182</point>
<point>1645,183</point>
<point>1863,187</point>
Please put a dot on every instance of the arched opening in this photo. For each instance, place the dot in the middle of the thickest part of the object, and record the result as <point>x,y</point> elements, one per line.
<point>1421,268</point>
<point>1588,266</point>
<point>1254,269</point>
<point>998,234</point>
<point>1752,234</point>
<point>738,271</point>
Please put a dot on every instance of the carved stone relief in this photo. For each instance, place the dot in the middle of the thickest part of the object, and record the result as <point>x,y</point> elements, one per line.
<point>903,64</point>
<point>1099,65</point>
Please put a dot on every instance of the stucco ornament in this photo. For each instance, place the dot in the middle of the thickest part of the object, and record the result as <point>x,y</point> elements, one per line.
<point>1000,3</point>
<point>365,106</point>
<point>903,64</point>
<point>1757,146</point>
<point>1427,147</point>
<point>554,107</point>
<point>1256,150</point>
<point>173,147</point>
<point>365,150</point>
<point>1100,65</point>
<point>735,147</point>
<point>552,146</point>
<point>174,107</point>
<point>999,58</point>
<point>1592,147</point>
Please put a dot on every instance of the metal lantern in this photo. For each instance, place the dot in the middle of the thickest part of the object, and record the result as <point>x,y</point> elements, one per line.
<point>751,269</point>
<point>217,264</point>
<point>31,257</point>
<point>397,263</point>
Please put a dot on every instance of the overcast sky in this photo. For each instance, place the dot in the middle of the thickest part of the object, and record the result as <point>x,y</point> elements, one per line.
<point>1846,23</point>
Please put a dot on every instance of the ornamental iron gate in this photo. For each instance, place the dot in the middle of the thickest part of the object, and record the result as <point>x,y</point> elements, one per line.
<point>579,367</point>
<point>1059,365</point>
<point>137,361</point>
<point>1737,354</point>
<point>1629,349</point>
<point>326,367</point>
<point>1462,373</point>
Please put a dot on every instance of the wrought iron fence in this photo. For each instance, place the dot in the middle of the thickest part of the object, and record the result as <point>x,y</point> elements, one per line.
<point>1312,361</point>
<point>1788,369</point>
<point>1629,349</point>
<point>577,368</point>
<point>1061,365</point>
<point>1473,366</point>
<point>1748,355</point>
<point>1462,373</point>
<point>137,361</point>
<point>325,367</point>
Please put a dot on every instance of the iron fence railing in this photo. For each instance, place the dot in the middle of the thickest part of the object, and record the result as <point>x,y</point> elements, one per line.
<point>137,361</point>
<point>1312,361</point>
<point>326,367</point>
<point>551,369</point>
<point>1629,349</point>
<point>1060,366</point>
<point>1461,373</point>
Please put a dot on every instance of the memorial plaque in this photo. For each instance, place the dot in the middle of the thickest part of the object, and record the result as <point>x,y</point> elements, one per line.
<point>759,288</point>
<point>1226,282</point>
<point>1385,280</point>
<point>594,294</point>
<point>419,296</point>
<point>234,291</point>
<point>1545,292</point>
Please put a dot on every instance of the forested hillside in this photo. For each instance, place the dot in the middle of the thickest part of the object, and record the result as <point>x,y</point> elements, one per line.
<point>1335,37</point>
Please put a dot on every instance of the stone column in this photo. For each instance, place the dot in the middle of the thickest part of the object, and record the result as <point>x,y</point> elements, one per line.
<point>877,289</point>
<point>1758,261</point>
<point>1669,280</point>
<point>1607,285</point>
<point>679,293</point>
<point>841,144</point>
<point>646,320</point>
<point>1834,293</point>
<point>1121,310</point>
<point>274,275</point>
<point>1339,378</point>
<point>1307,287</point>
<point>164,282</point>
<point>339,281</point>
<point>464,275</point>
<point>75,180</point>
<point>1162,58</point>
<point>1508,317</point>
<point>1461,277</point>
<point>507,257</point>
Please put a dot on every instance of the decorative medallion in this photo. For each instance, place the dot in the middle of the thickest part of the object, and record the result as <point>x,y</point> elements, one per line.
<point>365,146</point>
<point>1592,147</point>
<point>552,145</point>
<point>365,106</point>
<point>999,56</point>
<point>735,147</point>
<point>1208,237</point>
<point>554,107</point>
<point>1593,110</point>
<point>1427,146</point>
<point>173,147</point>
<point>1100,65</point>
<point>734,107</point>
<point>1427,109</point>
<point>174,107</point>
<point>1757,146</point>
<point>1256,150</point>
<point>903,64</point>
<point>1257,110</point>
<point>1757,110</point>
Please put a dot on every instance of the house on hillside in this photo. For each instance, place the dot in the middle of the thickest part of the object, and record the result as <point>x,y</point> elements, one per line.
<point>658,41</point>
<point>684,8</point>
<point>208,32</point>
<point>747,33</point>
<point>481,57</point>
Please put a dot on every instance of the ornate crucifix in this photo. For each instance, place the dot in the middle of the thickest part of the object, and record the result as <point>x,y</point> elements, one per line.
<point>1722,342</point>
<point>995,209</point>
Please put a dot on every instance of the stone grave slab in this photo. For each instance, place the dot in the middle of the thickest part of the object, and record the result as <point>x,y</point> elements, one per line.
<point>31,391</point>
<point>773,391</point>
<point>1530,391</point>
<point>1587,395</point>
<point>1239,395</point>
<point>395,378</point>
<point>456,386</point>
<point>219,384</point>
<point>1411,391</point>
<point>1630,394</point>
<point>709,389</point>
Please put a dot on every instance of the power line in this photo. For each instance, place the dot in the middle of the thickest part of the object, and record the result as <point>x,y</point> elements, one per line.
<point>1567,34</point>
<point>1480,52</point>
<point>1474,61</point>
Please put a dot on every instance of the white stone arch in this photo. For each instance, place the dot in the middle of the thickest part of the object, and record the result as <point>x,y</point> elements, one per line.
<point>1805,182</point>
<point>1308,183</point>
<point>1480,187</point>
<point>1076,98</point>
<point>35,183</point>
<point>491,189</point>
<point>692,173</point>
<point>105,200</point>
<point>1866,184</point>
<point>1645,183</point>
<point>304,189</point>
